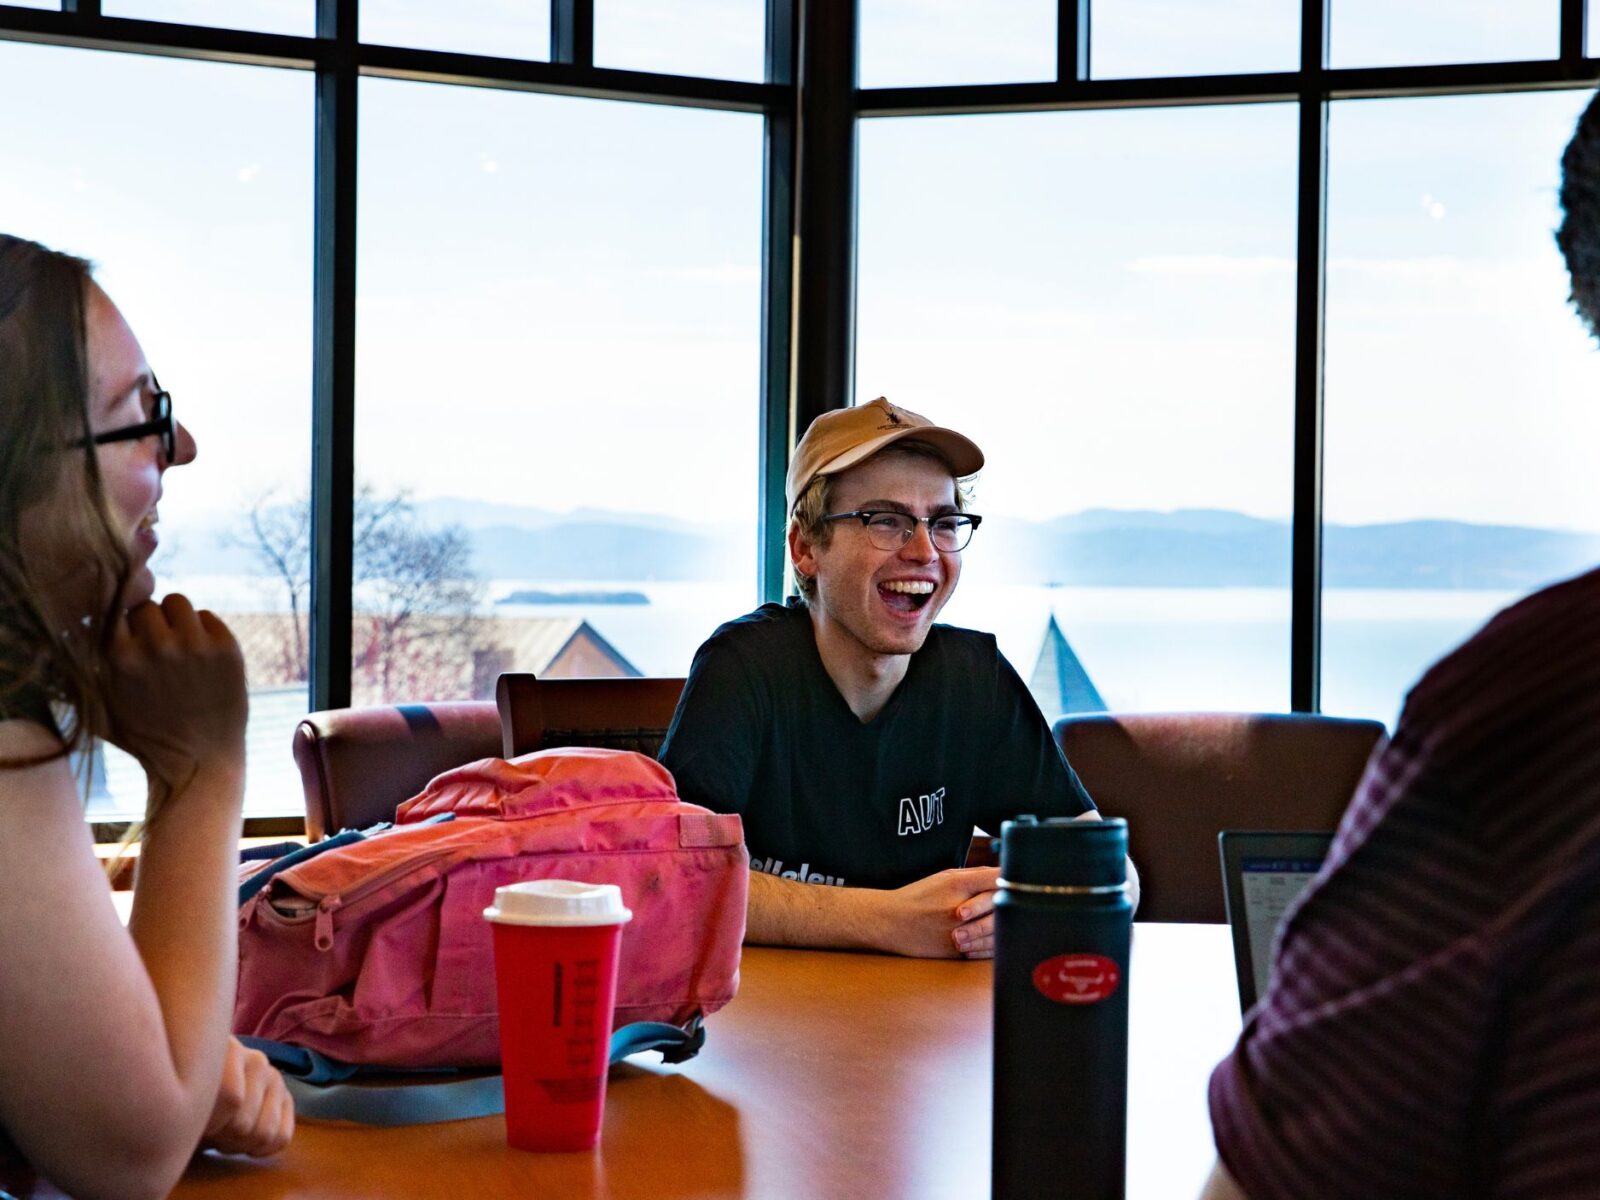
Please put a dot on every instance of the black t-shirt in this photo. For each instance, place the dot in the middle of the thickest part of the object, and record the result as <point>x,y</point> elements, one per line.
<point>762,731</point>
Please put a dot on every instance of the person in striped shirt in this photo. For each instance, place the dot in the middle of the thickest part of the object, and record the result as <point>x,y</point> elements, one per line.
<point>1432,1028</point>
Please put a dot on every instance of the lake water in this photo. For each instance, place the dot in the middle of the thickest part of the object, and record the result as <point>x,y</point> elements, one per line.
<point>1145,649</point>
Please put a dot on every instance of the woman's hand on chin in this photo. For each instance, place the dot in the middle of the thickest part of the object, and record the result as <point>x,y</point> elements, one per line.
<point>176,694</point>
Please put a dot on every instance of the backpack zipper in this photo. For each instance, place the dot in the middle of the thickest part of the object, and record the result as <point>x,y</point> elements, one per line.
<point>322,937</point>
<point>322,907</point>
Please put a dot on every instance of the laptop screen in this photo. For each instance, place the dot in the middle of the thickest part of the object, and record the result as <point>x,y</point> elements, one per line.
<point>1263,873</point>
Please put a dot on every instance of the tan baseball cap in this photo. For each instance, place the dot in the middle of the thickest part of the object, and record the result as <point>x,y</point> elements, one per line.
<point>842,438</point>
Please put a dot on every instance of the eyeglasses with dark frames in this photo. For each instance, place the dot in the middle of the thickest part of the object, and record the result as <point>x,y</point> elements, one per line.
<point>160,424</point>
<point>949,532</point>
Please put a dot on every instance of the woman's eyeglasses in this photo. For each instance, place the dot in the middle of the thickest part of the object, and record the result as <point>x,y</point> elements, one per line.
<point>160,424</point>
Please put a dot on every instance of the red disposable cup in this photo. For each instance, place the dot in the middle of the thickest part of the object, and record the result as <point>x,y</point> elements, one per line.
<point>555,962</point>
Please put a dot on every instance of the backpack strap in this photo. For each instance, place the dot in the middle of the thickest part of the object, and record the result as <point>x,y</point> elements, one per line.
<point>300,853</point>
<point>399,1103</point>
<point>330,1090</point>
<point>264,876</point>
<point>677,1043</point>
<point>297,1062</point>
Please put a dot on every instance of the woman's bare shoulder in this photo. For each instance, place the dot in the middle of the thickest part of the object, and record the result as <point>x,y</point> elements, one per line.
<point>25,739</point>
<point>35,777</point>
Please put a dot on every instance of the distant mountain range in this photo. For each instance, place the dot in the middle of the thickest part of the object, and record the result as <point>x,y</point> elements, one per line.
<point>1214,548</point>
<point>1098,547</point>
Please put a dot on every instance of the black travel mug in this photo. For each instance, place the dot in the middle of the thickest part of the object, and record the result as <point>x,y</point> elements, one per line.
<point>1063,927</point>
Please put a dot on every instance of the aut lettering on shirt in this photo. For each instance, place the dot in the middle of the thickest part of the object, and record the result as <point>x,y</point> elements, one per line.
<point>921,814</point>
<point>802,874</point>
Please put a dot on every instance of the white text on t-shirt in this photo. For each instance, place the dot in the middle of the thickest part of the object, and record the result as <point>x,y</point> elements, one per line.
<point>921,814</point>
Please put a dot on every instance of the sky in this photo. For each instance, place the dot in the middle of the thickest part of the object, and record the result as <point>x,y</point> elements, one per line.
<point>1107,301</point>
<point>559,300</point>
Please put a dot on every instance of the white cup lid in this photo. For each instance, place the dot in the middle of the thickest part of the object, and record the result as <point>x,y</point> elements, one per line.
<point>558,902</point>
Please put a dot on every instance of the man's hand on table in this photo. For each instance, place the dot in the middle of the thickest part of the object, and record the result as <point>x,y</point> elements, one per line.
<point>254,1112</point>
<point>929,918</point>
<point>948,915</point>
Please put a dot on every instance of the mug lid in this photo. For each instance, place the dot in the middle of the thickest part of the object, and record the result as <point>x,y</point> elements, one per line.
<point>1064,851</point>
<point>558,902</point>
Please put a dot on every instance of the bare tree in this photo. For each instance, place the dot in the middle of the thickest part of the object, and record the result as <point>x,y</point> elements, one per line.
<point>420,592</point>
<point>415,594</point>
<point>280,536</point>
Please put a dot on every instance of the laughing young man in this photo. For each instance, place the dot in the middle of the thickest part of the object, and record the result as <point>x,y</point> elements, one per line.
<point>860,742</point>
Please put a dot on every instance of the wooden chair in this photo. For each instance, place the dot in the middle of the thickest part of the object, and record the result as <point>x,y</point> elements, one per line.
<point>357,765</point>
<point>619,714</point>
<point>1181,778</point>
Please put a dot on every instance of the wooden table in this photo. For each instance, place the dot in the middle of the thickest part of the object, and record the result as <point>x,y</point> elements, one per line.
<point>831,1075</point>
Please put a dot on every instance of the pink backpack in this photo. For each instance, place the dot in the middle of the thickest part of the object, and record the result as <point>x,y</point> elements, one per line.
<point>374,950</point>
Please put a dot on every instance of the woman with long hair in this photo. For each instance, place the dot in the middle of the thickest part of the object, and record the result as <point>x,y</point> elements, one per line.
<point>115,1057</point>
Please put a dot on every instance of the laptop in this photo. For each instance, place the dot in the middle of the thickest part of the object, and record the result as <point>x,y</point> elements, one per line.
<point>1262,873</point>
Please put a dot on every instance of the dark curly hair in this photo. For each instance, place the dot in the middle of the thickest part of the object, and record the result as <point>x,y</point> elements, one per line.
<point>1579,235</point>
<point>51,663</point>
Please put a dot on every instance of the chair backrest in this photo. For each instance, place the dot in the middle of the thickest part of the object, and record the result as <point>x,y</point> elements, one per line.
<point>618,714</point>
<point>357,765</point>
<point>1181,778</point>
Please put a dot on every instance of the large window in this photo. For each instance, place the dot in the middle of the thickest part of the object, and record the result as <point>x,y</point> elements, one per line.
<point>189,184</point>
<point>520,30</point>
<point>1380,33</point>
<point>583,314</point>
<point>1193,37</point>
<point>719,38</point>
<point>558,378</point>
<point>908,42</point>
<point>266,16</point>
<point>1104,302</point>
<point>1463,398</point>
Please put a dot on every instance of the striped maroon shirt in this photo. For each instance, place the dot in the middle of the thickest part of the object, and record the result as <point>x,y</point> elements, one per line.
<point>1432,1028</point>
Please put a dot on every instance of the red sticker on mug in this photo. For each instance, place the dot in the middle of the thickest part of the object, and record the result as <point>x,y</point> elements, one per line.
<point>1076,978</point>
